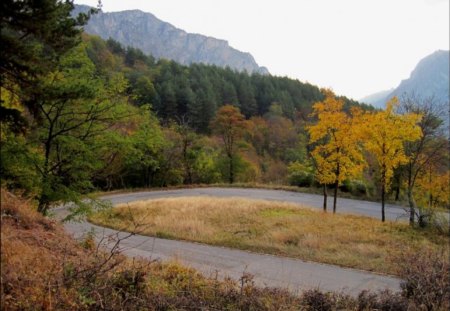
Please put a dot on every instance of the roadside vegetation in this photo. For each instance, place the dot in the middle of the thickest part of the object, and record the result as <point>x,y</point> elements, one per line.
<point>79,275</point>
<point>277,228</point>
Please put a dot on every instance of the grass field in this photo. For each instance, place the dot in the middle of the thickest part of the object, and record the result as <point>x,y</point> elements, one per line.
<point>276,228</point>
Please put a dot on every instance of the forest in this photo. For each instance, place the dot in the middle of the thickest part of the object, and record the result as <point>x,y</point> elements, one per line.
<point>81,114</point>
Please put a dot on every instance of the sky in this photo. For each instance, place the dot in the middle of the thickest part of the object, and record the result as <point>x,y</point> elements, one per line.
<point>355,47</point>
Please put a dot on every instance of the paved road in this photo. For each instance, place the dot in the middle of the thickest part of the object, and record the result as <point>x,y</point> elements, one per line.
<point>268,270</point>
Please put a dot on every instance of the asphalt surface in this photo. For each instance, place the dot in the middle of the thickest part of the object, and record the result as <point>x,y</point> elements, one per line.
<point>294,274</point>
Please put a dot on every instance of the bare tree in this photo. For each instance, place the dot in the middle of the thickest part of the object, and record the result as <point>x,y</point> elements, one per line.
<point>430,148</point>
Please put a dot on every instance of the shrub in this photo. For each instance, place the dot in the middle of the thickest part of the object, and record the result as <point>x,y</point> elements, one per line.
<point>426,280</point>
<point>384,300</point>
<point>299,175</point>
<point>355,187</point>
<point>316,300</point>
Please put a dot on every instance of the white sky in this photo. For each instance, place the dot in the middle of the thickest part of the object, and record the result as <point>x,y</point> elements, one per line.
<point>356,47</point>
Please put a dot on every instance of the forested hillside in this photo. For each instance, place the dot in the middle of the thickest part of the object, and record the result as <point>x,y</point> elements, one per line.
<point>195,92</point>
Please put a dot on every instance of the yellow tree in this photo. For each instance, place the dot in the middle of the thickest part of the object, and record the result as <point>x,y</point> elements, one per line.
<point>386,133</point>
<point>431,192</point>
<point>337,153</point>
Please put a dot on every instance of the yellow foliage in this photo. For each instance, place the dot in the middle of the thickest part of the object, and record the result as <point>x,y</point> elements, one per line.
<point>432,189</point>
<point>337,153</point>
<point>10,99</point>
<point>385,135</point>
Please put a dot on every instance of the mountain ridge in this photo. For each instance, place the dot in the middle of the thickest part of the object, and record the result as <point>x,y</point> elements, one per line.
<point>161,39</point>
<point>429,78</point>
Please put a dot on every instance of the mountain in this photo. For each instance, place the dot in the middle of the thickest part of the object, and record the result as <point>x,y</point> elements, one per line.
<point>162,40</point>
<point>377,99</point>
<point>429,78</point>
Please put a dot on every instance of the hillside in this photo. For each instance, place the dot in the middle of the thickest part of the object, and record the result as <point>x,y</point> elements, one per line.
<point>162,40</point>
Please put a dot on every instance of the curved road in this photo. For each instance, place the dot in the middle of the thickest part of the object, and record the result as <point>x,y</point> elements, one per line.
<point>269,270</point>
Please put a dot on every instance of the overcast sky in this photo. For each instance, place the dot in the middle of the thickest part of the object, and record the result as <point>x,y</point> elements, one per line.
<point>356,47</point>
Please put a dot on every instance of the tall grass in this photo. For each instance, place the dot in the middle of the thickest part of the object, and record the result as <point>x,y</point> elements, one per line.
<point>276,228</point>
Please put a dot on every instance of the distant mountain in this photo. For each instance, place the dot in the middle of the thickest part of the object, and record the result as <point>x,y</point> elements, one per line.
<point>429,78</point>
<point>162,40</point>
<point>377,99</point>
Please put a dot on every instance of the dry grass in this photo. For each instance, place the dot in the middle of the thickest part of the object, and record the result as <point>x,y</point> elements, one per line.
<point>276,228</point>
<point>42,268</point>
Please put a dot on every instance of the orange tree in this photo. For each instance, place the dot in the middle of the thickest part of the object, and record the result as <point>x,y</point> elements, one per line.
<point>337,152</point>
<point>386,132</point>
<point>229,124</point>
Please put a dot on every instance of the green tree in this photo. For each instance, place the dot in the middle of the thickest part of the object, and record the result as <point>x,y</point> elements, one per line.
<point>33,35</point>
<point>144,92</point>
<point>246,96</point>
<point>76,107</point>
<point>168,101</point>
<point>147,142</point>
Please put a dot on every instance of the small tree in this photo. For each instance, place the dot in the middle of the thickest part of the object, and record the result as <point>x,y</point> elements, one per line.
<point>336,154</point>
<point>386,133</point>
<point>229,124</point>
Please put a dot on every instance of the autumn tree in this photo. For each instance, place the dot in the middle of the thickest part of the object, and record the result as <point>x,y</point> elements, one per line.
<point>386,132</point>
<point>229,124</point>
<point>335,137</point>
<point>426,154</point>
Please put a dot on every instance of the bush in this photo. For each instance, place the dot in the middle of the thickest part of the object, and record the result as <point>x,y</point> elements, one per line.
<point>299,175</point>
<point>426,280</point>
<point>355,187</point>
<point>384,300</point>
<point>316,300</point>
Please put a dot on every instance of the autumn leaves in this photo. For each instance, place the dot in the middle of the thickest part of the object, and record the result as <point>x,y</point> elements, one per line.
<point>341,142</point>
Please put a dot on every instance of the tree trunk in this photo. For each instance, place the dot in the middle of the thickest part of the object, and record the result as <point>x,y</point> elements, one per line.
<point>43,205</point>
<point>383,190</point>
<point>325,197</point>
<point>43,197</point>
<point>231,179</point>
<point>412,207</point>
<point>397,193</point>
<point>411,202</point>
<point>398,181</point>
<point>336,186</point>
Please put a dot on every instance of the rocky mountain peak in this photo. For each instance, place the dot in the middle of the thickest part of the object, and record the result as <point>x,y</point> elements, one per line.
<point>162,40</point>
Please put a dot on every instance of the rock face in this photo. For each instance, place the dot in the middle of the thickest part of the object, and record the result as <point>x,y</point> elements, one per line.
<point>162,40</point>
<point>429,78</point>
